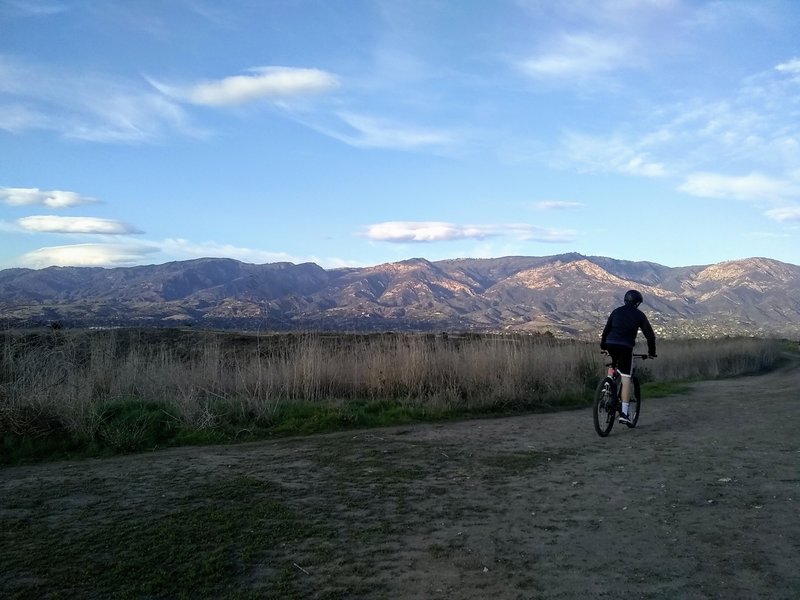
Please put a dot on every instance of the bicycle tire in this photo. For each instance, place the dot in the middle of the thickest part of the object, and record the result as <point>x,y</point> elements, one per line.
<point>604,407</point>
<point>635,406</point>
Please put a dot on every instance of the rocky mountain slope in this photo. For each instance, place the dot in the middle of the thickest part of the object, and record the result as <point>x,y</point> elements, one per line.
<point>567,294</point>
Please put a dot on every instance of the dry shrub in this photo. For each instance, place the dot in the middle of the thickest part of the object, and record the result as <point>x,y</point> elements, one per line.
<point>61,379</point>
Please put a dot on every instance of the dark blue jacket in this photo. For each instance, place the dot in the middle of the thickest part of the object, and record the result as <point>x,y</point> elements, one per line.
<point>622,326</point>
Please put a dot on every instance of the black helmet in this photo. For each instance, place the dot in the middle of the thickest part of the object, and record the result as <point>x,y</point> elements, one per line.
<point>633,297</point>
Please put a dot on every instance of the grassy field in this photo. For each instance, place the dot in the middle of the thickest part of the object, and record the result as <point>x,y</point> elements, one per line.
<point>72,393</point>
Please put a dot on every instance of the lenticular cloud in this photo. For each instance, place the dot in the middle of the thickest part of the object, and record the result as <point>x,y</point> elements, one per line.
<point>37,197</point>
<point>53,224</point>
<point>88,255</point>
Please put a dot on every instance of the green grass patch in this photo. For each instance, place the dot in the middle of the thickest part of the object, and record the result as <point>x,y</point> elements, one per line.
<point>317,417</point>
<point>133,425</point>
<point>659,389</point>
<point>204,548</point>
<point>56,445</point>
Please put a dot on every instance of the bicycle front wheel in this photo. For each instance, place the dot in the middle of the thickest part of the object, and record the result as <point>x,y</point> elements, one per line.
<point>605,406</point>
<point>635,404</point>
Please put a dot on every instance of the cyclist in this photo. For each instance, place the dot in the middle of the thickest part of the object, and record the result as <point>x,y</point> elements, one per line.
<point>619,338</point>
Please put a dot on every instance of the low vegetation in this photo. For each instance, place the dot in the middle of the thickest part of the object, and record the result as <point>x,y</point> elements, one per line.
<point>79,392</point>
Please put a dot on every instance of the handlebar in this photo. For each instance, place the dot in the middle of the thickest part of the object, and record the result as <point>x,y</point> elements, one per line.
<point>642,356</point>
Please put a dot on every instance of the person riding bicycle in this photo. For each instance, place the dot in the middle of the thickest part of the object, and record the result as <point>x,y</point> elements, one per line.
<point>619,338</point>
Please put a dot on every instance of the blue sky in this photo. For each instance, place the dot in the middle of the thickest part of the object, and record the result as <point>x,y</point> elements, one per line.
<point>358,132</point>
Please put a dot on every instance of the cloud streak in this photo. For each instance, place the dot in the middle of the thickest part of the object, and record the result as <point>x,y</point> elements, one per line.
<point>786,214</point>
<point>548,205</point>
<point>753,186</point>
<point>184,249</point>
<point>37,197</point>
<point>577,56</point>
<point>83,106</point>
<point>614,154</point>
<point>90,225</point>
<point>438,231</point>
<point>26,8</point>
<point>791,67</point>
<point>362,131</point>
<point>381,133</point>
<point>263,83</point>
<point>88,255</point>
<point>130,253</point>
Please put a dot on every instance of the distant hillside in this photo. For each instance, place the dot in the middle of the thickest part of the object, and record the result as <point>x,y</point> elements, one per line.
<point>567,294</point>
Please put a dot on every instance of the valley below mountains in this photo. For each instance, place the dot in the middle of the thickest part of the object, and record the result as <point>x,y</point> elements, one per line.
<point>567,295</point>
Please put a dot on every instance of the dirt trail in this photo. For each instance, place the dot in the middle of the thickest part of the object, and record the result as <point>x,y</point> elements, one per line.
<point>702,500</point>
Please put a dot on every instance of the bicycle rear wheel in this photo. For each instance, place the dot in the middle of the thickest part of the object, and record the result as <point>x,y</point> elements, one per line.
<point>605,406</point>
<point>635,406</point>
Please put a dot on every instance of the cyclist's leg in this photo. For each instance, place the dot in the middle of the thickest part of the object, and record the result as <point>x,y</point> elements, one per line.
<point>623,356</point>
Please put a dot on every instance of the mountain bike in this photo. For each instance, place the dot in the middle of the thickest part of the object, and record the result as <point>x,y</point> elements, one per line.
<point>608,401</point>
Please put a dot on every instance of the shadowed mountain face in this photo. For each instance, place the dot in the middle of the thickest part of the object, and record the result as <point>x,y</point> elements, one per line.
<point>567,294</point>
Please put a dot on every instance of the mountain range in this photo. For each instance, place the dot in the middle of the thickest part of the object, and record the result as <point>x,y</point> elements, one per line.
<point>566,295</point>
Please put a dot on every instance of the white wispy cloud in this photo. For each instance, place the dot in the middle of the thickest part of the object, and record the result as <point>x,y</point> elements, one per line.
<point>84,105</point>
<point>31,8</point>
<point>590,41</point>
<point>88,255</point>
<point>37,197</point>
<point>791,66</point>
<point>180,249</point>
<point>578,56</point>
<point>130,253</point>
<point>438,231</point>
<point>91,225</point>
<point>16,118</point>
<point>612,154</point>
<point>753,186</point>
<point>785,214</point>
<point>371,132</point>
<point>426,231</point>
<point>747,133</point>
<point>557,205</point>
<point>183,249</point>
<point>261,83</point>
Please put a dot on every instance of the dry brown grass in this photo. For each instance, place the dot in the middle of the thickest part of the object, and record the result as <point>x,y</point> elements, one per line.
<point>62,379</point>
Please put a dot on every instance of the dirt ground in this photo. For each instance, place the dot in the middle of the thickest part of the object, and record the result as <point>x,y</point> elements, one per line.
<point>702,500</point>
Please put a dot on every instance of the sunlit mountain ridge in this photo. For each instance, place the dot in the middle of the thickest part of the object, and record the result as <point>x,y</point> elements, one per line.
<point>566,295</point>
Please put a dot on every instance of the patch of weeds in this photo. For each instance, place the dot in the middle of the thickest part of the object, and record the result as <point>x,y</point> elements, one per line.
<point>186,436</point>
<point>206,549</point>
<point>572,400</point>
<point>659,389</point>
<point>133,425</point>
<point>56,445</point>
<point>298,418</point>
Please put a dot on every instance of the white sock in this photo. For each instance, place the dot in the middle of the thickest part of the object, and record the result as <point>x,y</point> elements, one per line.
<point>625,407</point>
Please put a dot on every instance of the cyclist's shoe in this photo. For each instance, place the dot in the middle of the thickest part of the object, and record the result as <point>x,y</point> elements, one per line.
<point>623,418</point>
